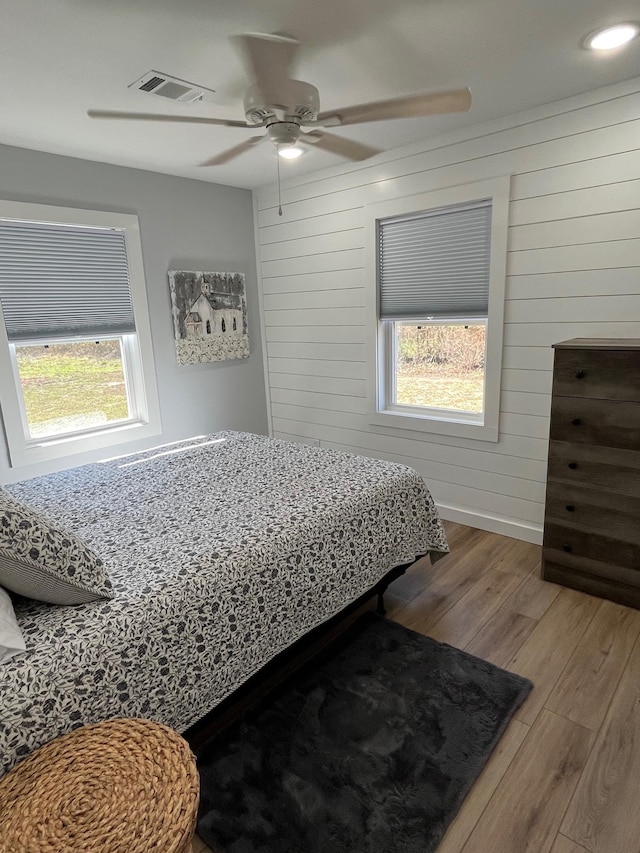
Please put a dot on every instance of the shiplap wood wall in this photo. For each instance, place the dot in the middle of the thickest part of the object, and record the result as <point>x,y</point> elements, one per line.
<point>573,271</point>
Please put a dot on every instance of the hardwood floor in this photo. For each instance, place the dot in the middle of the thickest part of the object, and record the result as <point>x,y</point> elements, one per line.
<point>565,777</point>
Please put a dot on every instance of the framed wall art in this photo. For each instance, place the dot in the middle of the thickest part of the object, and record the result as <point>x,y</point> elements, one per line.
<point>209,316</point>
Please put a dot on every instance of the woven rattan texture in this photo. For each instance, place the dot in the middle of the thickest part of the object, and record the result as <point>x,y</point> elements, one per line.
<point>120,786</point>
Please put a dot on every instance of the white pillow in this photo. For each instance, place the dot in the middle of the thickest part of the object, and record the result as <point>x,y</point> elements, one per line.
<point>11,639</point>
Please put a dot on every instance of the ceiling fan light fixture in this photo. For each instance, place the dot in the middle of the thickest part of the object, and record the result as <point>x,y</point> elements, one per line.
<point>290,152</point>
<point>608,38</point>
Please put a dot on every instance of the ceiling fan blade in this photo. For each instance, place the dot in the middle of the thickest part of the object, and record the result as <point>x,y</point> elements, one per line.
<point>339,145</point>
<point>159,117</point>
<point>268,58</point>
<point>433,103</point>
<point>230,153</point>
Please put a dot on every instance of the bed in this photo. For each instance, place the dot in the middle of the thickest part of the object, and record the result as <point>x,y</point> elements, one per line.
<point>222,551</point>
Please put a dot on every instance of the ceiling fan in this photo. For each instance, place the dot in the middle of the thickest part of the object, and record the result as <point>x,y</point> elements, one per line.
<point>287,107</point>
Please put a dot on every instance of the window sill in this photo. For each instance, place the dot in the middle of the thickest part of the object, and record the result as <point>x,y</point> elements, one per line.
<point>97,442</point>
<point>439,426</point>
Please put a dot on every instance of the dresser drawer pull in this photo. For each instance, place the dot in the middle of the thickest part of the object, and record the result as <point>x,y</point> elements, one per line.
<point>580,373</point>
<point>576,421</point>
<point>573,465</point>
<point>567,548</point>
<point>570,508</point>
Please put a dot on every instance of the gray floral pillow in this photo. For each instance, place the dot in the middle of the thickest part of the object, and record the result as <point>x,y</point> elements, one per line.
<point>40,560</point>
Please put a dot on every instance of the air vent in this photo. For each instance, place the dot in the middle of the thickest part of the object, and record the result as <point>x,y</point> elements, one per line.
<point>152,84</point>
<point>157,83</point>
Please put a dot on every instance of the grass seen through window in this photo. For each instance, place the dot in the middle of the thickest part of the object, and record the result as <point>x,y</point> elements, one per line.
<point>440,366</point>
<point>72,386</point>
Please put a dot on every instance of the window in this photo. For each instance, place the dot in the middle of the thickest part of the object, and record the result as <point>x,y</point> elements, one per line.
<point>438,262</point>
<point>438,365</point>
<point>75,348</point>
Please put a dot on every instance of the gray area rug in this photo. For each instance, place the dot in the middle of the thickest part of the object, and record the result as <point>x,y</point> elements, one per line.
<point>372,747</point>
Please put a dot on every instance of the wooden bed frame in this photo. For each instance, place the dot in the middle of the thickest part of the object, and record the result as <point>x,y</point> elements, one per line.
<point>288,661</point>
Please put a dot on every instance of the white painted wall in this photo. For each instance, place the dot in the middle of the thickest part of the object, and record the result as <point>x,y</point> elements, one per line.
<point>184,224</point>
<point>573,271</point>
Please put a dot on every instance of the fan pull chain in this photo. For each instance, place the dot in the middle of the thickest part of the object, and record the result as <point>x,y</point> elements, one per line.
<point>279,197</point>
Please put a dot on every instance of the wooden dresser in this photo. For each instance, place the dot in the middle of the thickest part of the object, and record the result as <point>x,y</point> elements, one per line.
<point>592,514</point>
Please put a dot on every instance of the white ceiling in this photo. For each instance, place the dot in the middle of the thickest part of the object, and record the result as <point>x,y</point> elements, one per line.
<point>62,57</point>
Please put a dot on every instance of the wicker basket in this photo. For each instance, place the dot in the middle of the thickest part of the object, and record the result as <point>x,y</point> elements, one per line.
<point>121,786</point>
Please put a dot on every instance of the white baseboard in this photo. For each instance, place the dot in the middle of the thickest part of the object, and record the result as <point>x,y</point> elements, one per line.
<point>514,528</point>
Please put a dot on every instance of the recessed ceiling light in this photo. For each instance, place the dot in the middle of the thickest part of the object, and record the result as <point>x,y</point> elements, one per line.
<point>291,152</point>
<point>609,38</point>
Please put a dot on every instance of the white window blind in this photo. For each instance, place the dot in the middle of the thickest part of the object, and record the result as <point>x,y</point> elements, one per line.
<point>435,264</point>
<point>59,281</point>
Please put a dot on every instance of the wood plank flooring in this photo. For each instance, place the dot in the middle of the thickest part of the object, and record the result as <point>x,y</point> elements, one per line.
<point>565,777</point>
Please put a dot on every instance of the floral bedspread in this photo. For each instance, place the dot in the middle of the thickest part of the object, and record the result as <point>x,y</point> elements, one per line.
<point>222,551</point>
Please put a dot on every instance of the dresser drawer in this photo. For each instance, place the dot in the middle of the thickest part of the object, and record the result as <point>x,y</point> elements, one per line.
<point>560,540</point>
<point>593,510</point>
<point>606,468</point>
<point>609,423</point>
<point>596,582</point>
<point>610,571</point>
<point>602,374</point>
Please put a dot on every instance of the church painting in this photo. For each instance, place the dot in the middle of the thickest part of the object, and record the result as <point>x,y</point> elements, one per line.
<point>209,316</point>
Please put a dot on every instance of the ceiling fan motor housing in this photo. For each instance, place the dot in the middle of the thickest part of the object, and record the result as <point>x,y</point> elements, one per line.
<point>283,132</point>
<point>294,99</point>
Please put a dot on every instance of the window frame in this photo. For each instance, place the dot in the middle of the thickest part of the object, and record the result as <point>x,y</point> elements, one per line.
<point>138,358</point>
<point>379,356</point>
